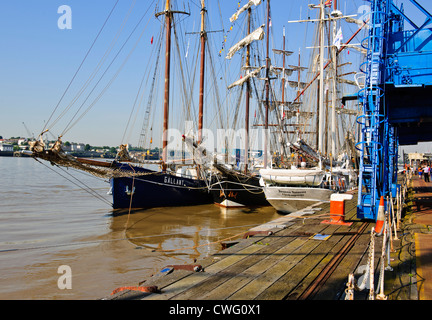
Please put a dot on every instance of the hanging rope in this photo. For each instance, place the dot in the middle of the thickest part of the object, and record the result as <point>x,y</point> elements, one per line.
<point>76,117</point>
<point>80,243</point>
<point>369,275</point>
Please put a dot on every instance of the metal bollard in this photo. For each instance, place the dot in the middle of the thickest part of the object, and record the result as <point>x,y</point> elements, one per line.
<point>337,209</point>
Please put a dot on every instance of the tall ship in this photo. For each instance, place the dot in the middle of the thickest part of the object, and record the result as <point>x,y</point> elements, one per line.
<point>313,174</point>
<point>242,187</point>
<point>136,182</point>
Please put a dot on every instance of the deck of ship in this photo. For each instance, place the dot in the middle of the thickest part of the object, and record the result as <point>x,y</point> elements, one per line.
<point>300,257</point>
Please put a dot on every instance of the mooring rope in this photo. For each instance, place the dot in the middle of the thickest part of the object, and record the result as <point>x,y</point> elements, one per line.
<point>78,243</point>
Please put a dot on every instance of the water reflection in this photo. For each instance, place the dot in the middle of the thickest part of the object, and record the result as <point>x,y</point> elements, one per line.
<point>187,232</point>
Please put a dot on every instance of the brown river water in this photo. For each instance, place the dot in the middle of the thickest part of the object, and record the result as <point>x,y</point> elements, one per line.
<point>48,221</point>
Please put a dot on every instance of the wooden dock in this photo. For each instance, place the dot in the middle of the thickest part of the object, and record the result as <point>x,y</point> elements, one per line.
<point>296,257</point>
<point>420,223</point>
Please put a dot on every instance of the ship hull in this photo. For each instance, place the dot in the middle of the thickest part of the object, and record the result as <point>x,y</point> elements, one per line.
<point>157,189</point>
<point>233,190</point>
<point>230,194</point>
<point>291,199</point>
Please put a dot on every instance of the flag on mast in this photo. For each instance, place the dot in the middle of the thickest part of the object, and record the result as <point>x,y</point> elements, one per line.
<point>337,41</point>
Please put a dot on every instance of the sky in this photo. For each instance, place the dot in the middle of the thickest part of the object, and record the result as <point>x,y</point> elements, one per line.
<point>45,61</point>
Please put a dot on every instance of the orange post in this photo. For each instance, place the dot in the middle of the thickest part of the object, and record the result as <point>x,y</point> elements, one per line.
<point>337,209</point>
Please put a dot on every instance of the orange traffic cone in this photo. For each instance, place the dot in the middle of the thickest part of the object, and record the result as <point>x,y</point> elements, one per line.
<point>379,226</point>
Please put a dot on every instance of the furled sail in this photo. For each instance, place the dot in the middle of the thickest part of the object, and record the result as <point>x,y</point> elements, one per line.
<point>244,8</point>
<point>297,68</point>
<point>303,148</point>
<point>279,70</point>
<point>304,114</point>
<point>274,70</point>
<point>284,52</point>
<point>286,103</point>
<point>245,78</point>
<point>296,84</point>
<point>258,34</point>
<point>340,80</point>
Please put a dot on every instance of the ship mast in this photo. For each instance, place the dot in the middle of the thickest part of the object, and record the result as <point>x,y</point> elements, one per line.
<point>168,21</point>
<point>283,68</point>
<point>201,89</point>
<point>168,17</point>
<point>258,34</point>
<point>334,92</point>
<point>321,81</point>
<point>247,96</point>
<point>267,86</point>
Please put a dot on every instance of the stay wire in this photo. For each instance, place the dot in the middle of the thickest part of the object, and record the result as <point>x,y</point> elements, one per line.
<point>80,66</point>
<point>95,71</point>
<point>70,124</point>
<point>87,189</point>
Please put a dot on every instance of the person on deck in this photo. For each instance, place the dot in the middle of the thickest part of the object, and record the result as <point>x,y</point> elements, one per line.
<point>426,171</point>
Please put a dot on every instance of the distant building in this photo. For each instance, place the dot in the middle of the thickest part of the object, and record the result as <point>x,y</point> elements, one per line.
<point>77,147</point>
<point>73,147</point>
<point>416,159</point>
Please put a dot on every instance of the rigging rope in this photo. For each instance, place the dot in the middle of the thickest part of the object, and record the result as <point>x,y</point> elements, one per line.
<point>70,124</point>
<point>141,142</point>
<point>79,243</point>
<point>98,67</point>
<point>95,71</point>
<point>79,68</point>
<point>87,188</point>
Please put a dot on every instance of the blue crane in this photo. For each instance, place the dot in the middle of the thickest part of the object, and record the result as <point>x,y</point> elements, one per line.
<point>396,99</point>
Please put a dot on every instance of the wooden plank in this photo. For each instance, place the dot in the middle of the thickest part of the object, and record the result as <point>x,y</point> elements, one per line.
<point>310,265</point>
<point>337,254</point>
<point>264,267</point>
<point>423,244</point>
<point>327,251</point>
<point>269,245</point>
<point>332,289</point>
<point>266,279</point>
<point>185,283</point>
<point>283,265</point>
<point>165,280</point>
<point>239,280</point>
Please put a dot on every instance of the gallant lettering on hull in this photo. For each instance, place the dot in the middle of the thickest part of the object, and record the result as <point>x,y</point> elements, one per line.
<point>174,181</point>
